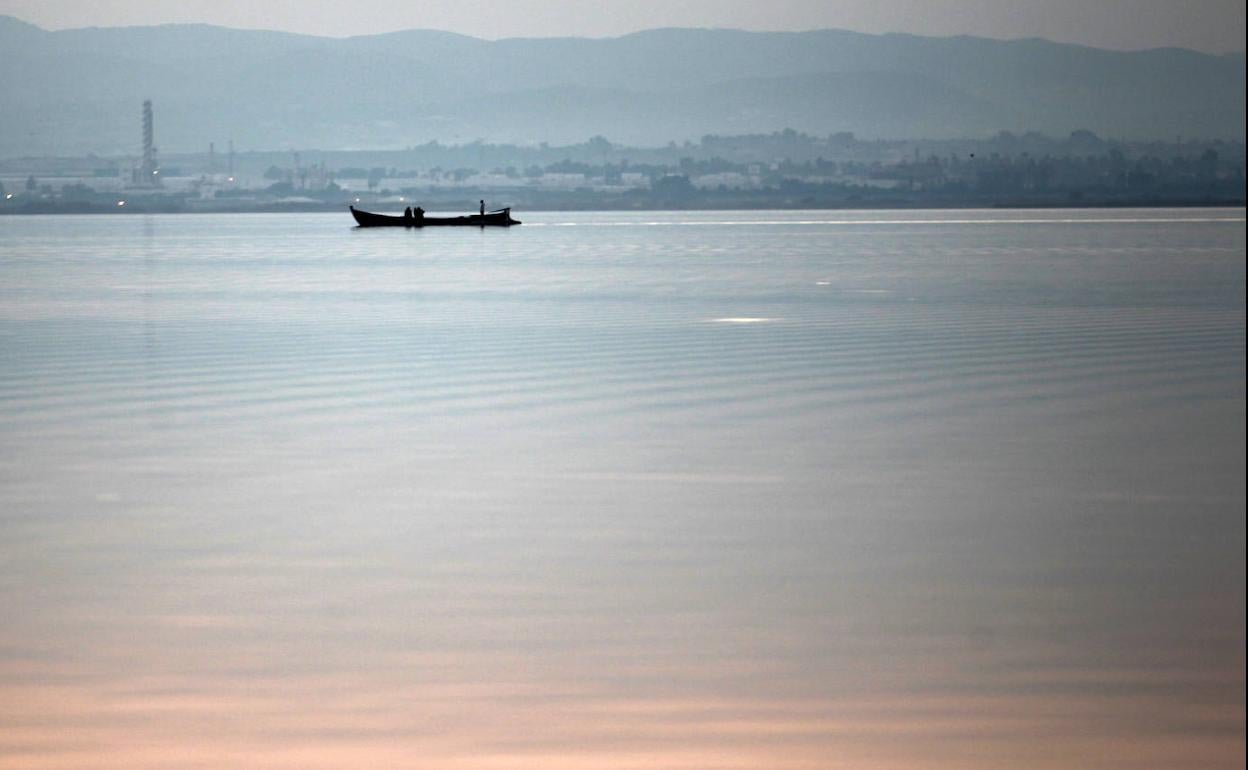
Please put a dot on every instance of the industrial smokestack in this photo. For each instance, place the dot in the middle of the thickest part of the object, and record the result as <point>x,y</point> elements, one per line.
<point>149,147</point>
<point>148,172</point>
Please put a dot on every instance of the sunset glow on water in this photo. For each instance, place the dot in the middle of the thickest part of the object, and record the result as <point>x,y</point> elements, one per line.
<point>813,490</point>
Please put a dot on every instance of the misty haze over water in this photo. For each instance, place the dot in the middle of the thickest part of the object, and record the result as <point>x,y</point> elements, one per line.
<point>79,89</point>
<point>679,488</point>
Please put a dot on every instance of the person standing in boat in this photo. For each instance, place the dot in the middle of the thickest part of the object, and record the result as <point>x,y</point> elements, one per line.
<point>419,213</point>
<point>482,208</point>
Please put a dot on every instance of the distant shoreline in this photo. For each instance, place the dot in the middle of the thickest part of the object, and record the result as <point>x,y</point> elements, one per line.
<point>307,208</point>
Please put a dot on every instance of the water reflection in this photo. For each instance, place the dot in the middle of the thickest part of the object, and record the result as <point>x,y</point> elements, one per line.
<point>273,494</point>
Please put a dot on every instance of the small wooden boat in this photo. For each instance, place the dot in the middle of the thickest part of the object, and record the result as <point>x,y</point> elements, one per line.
<point>500,218</point>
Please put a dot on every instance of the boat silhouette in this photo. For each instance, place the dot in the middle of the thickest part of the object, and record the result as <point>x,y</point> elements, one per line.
<point>499,218</point>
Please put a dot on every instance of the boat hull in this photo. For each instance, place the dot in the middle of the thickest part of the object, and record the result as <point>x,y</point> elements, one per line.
<point>492,219</point>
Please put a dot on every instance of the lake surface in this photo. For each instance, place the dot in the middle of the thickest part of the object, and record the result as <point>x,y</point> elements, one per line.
<point>663,490</point>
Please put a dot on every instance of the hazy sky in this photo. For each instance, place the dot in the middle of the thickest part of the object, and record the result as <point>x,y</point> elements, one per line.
<point>1209,25</point>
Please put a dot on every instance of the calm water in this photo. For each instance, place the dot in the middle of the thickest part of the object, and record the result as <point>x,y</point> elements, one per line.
<point>606,491</point>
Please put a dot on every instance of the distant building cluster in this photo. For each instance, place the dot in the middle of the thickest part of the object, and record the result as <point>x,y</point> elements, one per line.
<point>781,169</point>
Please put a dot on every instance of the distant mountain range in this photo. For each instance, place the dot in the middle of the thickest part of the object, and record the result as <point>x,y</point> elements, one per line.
<point>79,91</point>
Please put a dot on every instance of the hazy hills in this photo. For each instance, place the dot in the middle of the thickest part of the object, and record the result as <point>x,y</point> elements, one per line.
<point>79,91</point>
